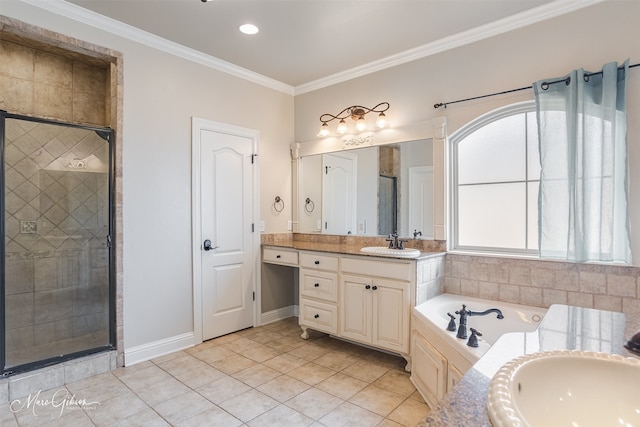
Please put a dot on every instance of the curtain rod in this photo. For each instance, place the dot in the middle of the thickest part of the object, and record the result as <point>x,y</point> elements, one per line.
<point>444,104</point>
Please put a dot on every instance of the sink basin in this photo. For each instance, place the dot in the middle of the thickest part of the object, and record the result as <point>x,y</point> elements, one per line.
<point>566,388</point>
<point>384,251</point>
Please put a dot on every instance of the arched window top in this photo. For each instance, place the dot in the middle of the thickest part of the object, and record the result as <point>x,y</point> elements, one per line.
<point>495,171</point>
<point>492,116</point>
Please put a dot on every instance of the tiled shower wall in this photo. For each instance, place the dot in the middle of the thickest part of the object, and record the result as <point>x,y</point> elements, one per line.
<point>51,84</point>
<point>56,223</point>
<point>543,283</point>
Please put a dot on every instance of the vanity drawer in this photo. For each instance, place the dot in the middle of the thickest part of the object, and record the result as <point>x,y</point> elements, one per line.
<point>379,268</point>
<point>319,316</point>
<point>319,284</point>
<point>317,261</point>
<point>280,256</point>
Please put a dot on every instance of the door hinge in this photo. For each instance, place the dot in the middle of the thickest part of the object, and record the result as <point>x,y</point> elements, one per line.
<point>254,296</point>
<point>109,243</point>
<point>253,158</point>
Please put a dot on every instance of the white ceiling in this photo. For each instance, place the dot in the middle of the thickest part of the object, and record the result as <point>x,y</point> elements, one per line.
<point>305,41</point>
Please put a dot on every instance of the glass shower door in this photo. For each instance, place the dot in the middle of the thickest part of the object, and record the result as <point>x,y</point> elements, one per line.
<point>57,222</point>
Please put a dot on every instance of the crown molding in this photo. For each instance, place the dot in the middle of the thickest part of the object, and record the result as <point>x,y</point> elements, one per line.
<point>77,13</point>
<point>532,16</point>
<point>514,22</point>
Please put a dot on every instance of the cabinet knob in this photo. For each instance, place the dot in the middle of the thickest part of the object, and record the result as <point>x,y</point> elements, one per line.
<point>316,316</point>
<point>374,287</point>
<point>278,256</point>
<point>368,287</point>
<point>317,262</point>
<point>316,285</point>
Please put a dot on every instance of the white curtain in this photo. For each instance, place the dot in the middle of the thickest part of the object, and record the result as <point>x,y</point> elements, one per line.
<point>582,201</point>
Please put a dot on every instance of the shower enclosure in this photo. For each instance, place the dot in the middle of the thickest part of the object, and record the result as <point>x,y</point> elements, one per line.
<point>57,288</point>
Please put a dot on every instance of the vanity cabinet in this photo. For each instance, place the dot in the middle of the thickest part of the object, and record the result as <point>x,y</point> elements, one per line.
<point>375,302</point>
<point>375,311</point>
<point>318,292</point>
<point>364,299</point>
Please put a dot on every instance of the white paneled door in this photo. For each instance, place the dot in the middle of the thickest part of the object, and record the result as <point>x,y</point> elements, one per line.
<point>227,235</point>
<point>339,193</point>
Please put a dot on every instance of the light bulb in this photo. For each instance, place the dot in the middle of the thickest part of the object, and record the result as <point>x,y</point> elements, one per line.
<point>342,127</point>
<point>361,124</point>
<point>324,130</point>
<point>381,121</point>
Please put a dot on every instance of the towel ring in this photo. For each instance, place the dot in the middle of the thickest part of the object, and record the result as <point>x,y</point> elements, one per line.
<point>309,206</point>
<point>278,203</point>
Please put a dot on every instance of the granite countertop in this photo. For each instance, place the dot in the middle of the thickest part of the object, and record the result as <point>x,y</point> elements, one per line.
<point>344,249</point>
<point>562,328</point>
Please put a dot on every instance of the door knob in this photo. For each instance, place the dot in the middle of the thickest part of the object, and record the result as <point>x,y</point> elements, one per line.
<point>207,245</point>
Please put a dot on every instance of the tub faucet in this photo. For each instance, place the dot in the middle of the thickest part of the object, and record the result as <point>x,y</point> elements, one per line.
<point>464,313</point>
<point>633,344</point>
<point>462,326</point>
<point>452,323</point>
<point>484,313</point>
<point>473,339</point>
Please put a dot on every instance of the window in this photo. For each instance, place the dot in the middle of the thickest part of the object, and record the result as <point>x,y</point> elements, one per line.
<point>495,177</point>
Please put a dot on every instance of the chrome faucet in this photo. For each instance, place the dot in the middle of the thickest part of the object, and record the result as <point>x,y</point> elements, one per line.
<point>464,313</point>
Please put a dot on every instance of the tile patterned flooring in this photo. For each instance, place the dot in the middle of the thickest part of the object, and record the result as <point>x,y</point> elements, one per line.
<point>264,376</point>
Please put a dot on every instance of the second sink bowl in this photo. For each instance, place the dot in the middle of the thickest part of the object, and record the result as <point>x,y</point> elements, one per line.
<point>398,253</point>
<point>566,388</point>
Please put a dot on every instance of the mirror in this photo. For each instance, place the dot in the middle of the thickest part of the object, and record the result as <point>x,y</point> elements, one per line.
<point>370,191</point>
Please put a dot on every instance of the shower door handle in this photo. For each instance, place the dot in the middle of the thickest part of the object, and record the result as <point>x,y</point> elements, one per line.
<point>207,245</point>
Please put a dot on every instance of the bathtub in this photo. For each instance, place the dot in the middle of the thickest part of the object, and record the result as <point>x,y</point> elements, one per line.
<point>517,318</point>
<point>439,358</point>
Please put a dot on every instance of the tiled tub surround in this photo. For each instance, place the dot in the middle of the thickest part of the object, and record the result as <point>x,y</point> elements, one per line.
<point>544,283</point>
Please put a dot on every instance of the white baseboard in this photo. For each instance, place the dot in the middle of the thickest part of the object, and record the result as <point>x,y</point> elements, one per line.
<point>158,348</point>
<point>278,314</point>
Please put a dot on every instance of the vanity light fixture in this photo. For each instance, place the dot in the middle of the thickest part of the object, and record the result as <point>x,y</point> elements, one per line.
<point>357,113</point>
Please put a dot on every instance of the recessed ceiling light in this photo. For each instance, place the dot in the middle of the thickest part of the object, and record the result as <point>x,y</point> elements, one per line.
<point>248,29</point>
